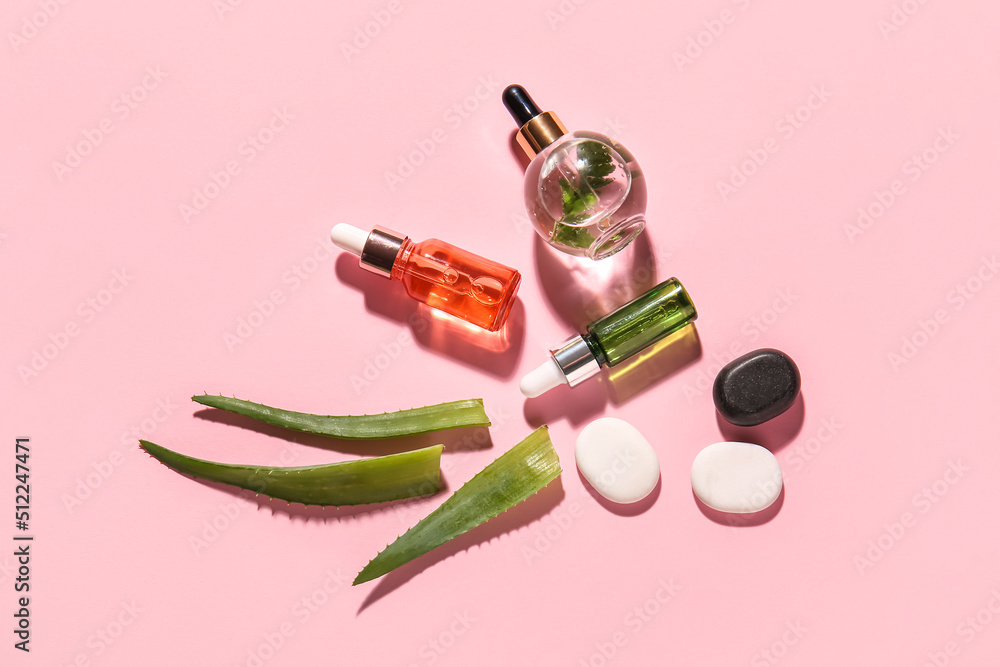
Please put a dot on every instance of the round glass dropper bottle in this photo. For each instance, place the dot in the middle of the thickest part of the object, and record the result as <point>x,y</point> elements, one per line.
<point>612,339</point>
<point>584,191</point>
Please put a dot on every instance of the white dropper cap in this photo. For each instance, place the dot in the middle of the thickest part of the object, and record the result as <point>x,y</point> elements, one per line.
<point>349,238</point>
<point>545,377</point>
<point>571,363</point>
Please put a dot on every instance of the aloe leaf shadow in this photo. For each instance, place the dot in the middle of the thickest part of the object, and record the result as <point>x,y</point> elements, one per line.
<point>519,516</point>
<point>454,440</point>
<point>325,514</point>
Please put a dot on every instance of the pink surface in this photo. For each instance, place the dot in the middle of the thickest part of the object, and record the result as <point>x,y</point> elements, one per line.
<point>885,548</point>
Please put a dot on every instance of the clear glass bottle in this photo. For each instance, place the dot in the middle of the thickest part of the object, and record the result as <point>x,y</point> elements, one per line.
<point>583,191</point>
<point>612,339</point>
<point>445,277</point>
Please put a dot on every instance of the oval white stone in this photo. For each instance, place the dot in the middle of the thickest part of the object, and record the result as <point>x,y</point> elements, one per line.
<point>617,461</point>
<point>736,477</point>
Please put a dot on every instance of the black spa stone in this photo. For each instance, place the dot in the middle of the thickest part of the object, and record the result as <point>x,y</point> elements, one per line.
<point>756,387</point>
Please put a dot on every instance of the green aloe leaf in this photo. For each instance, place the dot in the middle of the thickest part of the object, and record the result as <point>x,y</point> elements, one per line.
<point>519,473</point>
<point>372,480</point>
<point>414,421</point>
<point>577,237</point>
<point>596,164</point>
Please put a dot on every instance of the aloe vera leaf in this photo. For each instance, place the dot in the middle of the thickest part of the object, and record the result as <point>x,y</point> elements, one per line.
<point>517,474</point>
<point>372,480</point>
<point>413,421</point>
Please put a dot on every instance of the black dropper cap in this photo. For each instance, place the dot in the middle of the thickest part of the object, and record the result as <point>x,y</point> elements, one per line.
<point>519,104</point>
<point>537,129</point>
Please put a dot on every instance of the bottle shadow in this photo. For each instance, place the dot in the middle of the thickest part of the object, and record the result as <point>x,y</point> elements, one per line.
<point>773,434</point>
<point>616,385</point>
<point>578,404</point>
<point>653,365</point>
<point>496,353</point>
<point>454,440</point>
<point>519,516</point>
<point>623,509</point>
<point>580,290</point>
<point>516,152</point>
<point>734,520</point>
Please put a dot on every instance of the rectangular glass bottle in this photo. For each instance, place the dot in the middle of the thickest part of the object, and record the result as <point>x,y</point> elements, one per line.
<point>640,323</point>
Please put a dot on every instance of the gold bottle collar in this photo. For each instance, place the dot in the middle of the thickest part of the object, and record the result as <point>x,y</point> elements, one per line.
<point>539,132</point>
<point>379,252</point>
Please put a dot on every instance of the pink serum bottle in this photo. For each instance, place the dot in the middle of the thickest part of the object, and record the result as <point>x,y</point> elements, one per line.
<point>584,192</point>
<point>470,287</point>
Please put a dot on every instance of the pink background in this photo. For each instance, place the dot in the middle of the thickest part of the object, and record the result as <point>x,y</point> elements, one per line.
<point>859,565</point>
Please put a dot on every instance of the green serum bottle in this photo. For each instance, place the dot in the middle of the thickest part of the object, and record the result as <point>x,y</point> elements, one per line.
<point>614,338</point>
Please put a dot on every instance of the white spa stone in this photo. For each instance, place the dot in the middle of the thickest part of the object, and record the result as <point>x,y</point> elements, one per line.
<point>617,461</point>
<point>736,477</point>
